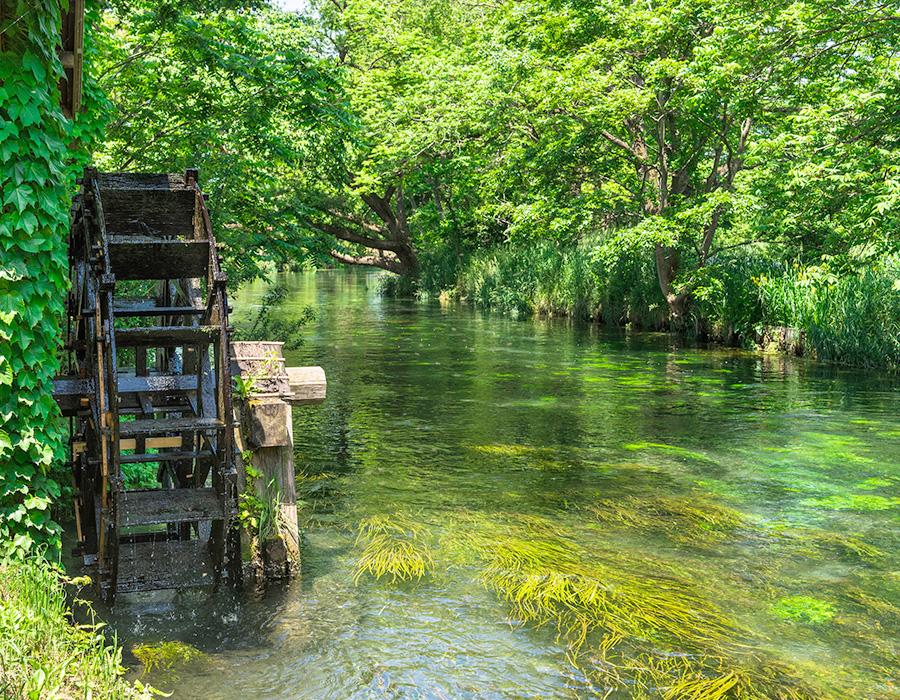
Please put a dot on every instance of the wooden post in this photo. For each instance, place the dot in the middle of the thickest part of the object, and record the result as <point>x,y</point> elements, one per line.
<point>267,392</point>
<point>72,57</point>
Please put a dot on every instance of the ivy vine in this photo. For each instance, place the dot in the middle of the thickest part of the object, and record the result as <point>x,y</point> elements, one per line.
<point>40,153</point>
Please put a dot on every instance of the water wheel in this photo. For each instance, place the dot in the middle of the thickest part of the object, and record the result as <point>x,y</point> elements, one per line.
<point>149,389</point>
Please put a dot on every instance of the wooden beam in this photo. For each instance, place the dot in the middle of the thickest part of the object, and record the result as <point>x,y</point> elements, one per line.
<point>308,385</point>
<point>130,444</point>
<point>78,50</point>
<point>71,56</point>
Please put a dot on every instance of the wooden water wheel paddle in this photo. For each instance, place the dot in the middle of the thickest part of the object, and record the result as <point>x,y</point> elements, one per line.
<point>149,384</point>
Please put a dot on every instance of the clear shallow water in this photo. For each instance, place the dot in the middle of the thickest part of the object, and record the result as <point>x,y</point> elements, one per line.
<point>476,432</point>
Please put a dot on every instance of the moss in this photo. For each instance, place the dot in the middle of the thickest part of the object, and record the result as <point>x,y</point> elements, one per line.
<point>393,546</point>
<point>801,608</point>
<point>165,656</point>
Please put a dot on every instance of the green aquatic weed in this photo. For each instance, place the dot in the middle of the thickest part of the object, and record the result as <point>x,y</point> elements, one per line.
<point>875,482</point>
<point>853,501</point>
<point>165,655</point>
<point>673,449</point>
<point>705,677</point>
<point>507,450</point>
<point>688,518</point>
<point>801,608</point>
<point>873,605</point>
<point>392,546</point>
<point>650,634</point>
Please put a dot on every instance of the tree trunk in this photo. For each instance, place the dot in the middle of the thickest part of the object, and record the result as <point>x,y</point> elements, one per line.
<point>666,268</point>
<point>389,244</point>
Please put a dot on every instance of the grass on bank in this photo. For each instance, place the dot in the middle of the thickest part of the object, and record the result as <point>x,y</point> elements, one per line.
<point>43,652</point>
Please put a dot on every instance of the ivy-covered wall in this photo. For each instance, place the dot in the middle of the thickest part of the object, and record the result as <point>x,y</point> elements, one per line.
<point>40,152</point>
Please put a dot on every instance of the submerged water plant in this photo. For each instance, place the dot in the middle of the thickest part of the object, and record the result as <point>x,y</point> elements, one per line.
<point>165,656</point>
<point>854,501</point>
<point>662,447</point>
<point>689,677</point>
<point>393,546</point>
<point>631,624</point>
<point>802,608</point>
<point>693,519</point>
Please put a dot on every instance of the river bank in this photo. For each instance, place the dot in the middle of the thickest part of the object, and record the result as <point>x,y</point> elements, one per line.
<point>840,315</point>
<point>44,653</point>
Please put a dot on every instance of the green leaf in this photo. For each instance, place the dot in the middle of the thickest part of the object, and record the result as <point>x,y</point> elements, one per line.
<point>20,197</point>
<point>33,63</point>
<point>30,115</point>
<point>6,373</point>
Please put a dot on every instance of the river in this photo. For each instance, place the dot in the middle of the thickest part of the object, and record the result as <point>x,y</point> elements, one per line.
<point>595,512</point>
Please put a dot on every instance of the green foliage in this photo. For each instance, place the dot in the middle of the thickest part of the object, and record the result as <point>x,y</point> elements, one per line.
<point>42,653</point>
<point>269,518</point>
<point>851,317</point>
<point>636,164</point>
<point>244,387</point>
<point>259,514</point>
<point>40,151</point>
<point>236,89</point>
<point>265,326</point>
<point>801,608</point>
<point>250,505</point>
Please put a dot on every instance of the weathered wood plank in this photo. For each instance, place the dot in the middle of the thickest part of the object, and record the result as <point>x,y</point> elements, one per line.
<point>155,507</point>
<point>68,392</point>
<point>164,426</point>
<point>266,424</point>
<point>142,181</point>
<point>151,309</point>
<point>141,210</point>
<point>164,456</point>
<point>157,383</point>
<point>165,336</point>
<point>147,258</point>
<point>308,385</point>
<point>151,566</point>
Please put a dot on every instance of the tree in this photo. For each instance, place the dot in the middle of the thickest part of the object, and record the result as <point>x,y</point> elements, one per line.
<point>414,84</point>
<point>238,90</point>
<point>642,118</point>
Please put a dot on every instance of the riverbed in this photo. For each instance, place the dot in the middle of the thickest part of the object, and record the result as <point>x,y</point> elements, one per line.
<point>595,512</point>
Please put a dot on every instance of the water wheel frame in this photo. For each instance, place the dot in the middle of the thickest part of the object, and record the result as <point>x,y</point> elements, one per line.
<point>121,416</point>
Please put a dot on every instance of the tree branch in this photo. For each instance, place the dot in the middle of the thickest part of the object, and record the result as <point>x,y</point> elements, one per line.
<point>353,237</point>
<point>389,264</point>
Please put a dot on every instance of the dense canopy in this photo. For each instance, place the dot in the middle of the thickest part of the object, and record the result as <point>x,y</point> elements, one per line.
<point>714,164</point>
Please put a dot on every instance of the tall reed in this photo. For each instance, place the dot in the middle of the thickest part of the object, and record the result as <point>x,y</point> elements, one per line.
<point>851,317</point>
